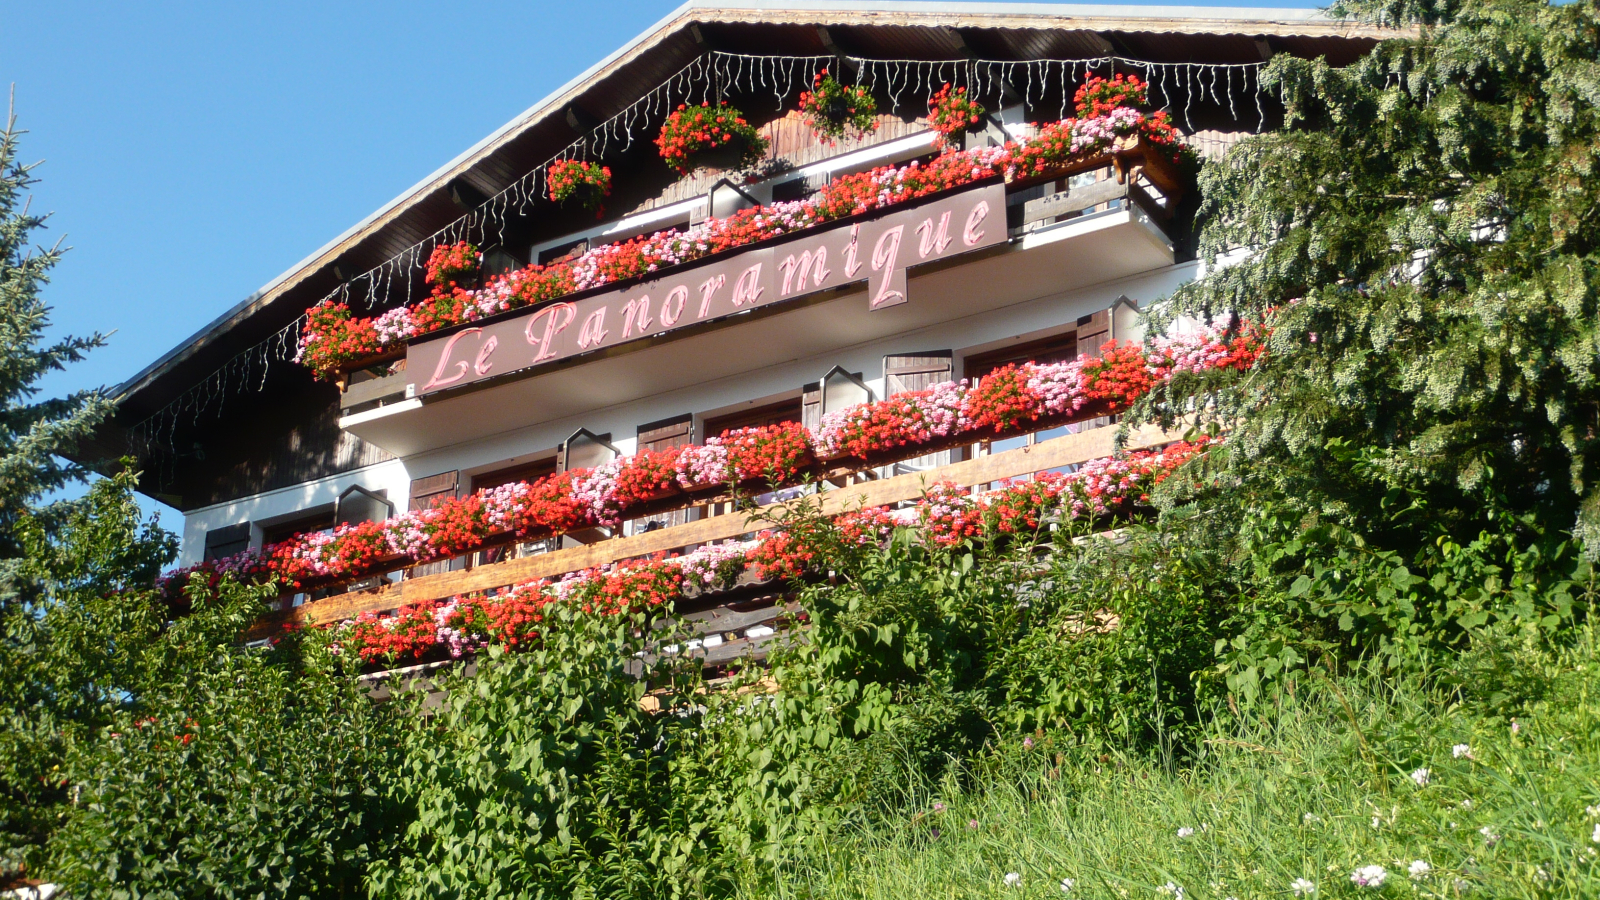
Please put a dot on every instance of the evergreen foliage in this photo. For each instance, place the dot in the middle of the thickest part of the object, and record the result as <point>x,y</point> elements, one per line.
<point>1421,240</point>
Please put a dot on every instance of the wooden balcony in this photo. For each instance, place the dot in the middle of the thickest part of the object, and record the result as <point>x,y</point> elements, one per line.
<point>749,605</point>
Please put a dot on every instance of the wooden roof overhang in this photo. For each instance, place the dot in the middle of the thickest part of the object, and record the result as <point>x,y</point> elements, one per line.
<point>874,30</point>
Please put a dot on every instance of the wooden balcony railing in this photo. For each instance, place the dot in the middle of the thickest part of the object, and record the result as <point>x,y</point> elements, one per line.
<point>1043,456</point>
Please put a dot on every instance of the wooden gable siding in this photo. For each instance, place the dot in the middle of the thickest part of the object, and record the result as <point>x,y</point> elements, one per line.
<point>793,144</point>
<point>272,443</point>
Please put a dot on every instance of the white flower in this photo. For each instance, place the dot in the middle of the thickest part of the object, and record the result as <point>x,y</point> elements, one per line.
<point>1013,879</point>
<point>1173,889</point>
<point>1419,869</point>
<point>1369,876</point>
<point>1596,836</point>
<point>1185,832</point>
<point>1420,776</point>
<point>1066,885</point>
<point>1467,803</point>
<point>1308,818</point>
<point>1377,821</point>
<point>1592,811</point>
<point>1302,887</point>
<point>1460,750</point>
<point>1489,835</point>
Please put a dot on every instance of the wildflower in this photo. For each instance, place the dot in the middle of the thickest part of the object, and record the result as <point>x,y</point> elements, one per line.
<point>1175,890</point>
<point>1467,803</point>
<point>1461,750</point>
<point>1489,835</point>
<point>1027,743</point>
<point>1302,887</point>
<point>1308,818</point>
<point>1461,885</point>
<point>938,806</point>
<point>1013,879</point>
<point>1516,727</point>
<point>935,833</point>
<point>1419,869</point>
<point>1592,811</point>
<point>1369,877</point>
<point>1420,776</point>
<point>1541,874</point>
<point>973,824</point>
<point>1185,832</point>
<point>1377,821</point>
<point>1596,836</point>
<point>1066,885</point>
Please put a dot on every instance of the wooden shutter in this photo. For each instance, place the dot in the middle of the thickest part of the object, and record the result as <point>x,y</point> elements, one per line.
<point>227,541</point>
<point>1093,331</point>
<point>665,434</point>
<point>811,405</point>
<point>425,492</point>
<point>903,373</point>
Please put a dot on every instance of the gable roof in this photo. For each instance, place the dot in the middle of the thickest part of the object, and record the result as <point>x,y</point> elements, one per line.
<point>885,30</point>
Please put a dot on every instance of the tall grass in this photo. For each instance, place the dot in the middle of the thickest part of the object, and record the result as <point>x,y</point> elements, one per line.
<point>1322,783</point>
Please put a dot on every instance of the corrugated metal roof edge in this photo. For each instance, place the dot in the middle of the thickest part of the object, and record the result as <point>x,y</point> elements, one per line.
<point>1144,15</point>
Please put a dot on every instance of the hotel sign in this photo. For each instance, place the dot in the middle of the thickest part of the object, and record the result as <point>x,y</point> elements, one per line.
<point>877,251</point>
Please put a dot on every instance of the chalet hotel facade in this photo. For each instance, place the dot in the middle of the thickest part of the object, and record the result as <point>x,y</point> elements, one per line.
<point>754,216</point>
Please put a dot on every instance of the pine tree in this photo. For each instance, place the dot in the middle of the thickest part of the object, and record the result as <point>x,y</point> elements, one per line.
<point>1420,239</point>
<point>70,633</point>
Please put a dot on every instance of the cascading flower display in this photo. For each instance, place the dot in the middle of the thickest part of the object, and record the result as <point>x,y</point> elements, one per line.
<point>691,132</point>
<point>588,183</point>
<point>835,110</point>
<point>947,516</point>
<point>1015,399</point>
<point>952,113</point>
<point>333,339</point>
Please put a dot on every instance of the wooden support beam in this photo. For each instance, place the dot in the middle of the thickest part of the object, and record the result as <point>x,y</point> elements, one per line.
<point>1061,451</point>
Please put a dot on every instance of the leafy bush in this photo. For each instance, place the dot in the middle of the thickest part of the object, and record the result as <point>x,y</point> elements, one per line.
<point>248,774</point>
<point>543,775</point>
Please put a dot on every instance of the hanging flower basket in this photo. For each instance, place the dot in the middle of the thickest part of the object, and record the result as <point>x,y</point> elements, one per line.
<point>455,265</point>
<point>1099,96</point>
<point>834,110</point>
<point>952,114</point>
<point>707,136</point>
<point>587,184</point>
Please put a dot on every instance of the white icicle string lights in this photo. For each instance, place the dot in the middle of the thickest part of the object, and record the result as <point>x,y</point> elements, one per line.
<point>707,79</point>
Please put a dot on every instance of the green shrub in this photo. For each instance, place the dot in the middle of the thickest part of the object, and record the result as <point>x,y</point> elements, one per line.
<point>253,773</point>
<point>542,775</point>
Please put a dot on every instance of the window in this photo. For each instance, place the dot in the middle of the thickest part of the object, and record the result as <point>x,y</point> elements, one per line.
<point>769,414</point>
<point>227,541</point>
<point>529,471</point>
<point>1058,348</point>
<point>320,520</point>
<point>1085,339</point>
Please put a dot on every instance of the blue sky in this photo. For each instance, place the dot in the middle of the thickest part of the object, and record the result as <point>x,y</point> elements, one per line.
<point>194,151</point>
